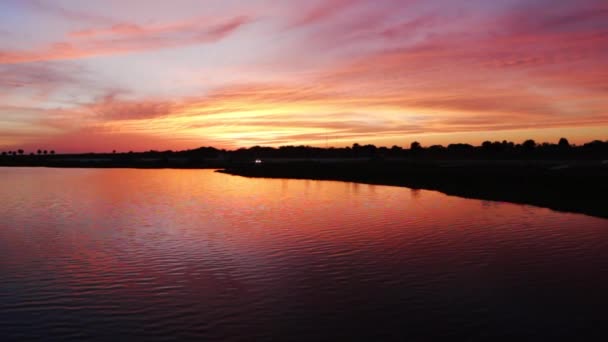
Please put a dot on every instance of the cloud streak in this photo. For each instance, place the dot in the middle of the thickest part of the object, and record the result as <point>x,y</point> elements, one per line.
<point>54,9</point>
<point>124,39</point>
<point>110,108</point>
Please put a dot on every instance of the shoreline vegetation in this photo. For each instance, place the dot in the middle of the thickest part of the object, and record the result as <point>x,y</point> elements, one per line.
<point>578,187</point>
<point>559,176</point>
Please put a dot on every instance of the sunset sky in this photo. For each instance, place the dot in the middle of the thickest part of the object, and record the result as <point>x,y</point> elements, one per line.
<point>80,76</point>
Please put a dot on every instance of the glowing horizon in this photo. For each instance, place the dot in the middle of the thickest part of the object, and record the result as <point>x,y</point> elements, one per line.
<point>98,76</point>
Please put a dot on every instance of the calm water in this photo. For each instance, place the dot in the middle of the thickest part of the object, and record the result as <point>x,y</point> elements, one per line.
<point>193,254</point>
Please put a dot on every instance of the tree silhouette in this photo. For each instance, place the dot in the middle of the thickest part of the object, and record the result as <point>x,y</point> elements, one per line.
<point>4,153</point>
<point>52,152</point>
<point>45,152</point>
<point>20,151</point>
<point>436,148</point>
<point>415,146</point>
<point>39,151</point>
<point>529,144</point>
<point>459,147</point>
<point>563,143</point>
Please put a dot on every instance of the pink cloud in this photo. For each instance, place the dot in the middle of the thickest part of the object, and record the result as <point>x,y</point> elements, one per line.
<point>146,39</point>
<point>210,24</point>
<point>38,77</point>
<point>55,9</point>
<point>324,10</point>
<point>118,29</point>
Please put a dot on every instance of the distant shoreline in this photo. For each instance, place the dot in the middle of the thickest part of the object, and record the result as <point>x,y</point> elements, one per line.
<point>577,188</point>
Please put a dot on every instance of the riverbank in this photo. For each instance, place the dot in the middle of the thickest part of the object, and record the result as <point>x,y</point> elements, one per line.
<point>111,161</point>
<point>578,187</point>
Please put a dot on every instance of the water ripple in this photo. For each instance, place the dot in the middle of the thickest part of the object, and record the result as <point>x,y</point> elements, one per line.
<point>196,255</point>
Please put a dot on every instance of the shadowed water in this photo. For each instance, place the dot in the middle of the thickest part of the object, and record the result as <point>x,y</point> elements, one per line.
<point>193,254</point>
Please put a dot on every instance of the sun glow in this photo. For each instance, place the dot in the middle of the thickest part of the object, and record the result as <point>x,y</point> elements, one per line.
<point>313,73</point>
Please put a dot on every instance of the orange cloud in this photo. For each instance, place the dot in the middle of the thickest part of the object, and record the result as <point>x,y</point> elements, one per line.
<point>292,114</point>
<point>110,108</point>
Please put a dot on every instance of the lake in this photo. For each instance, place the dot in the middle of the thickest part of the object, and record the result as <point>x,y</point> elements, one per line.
<point>119,254</point>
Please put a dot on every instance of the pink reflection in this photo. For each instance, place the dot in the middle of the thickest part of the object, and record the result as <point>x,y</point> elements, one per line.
<point>140,229</point>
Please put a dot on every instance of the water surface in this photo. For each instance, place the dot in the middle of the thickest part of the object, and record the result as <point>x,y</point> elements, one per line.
<point>91,254</point>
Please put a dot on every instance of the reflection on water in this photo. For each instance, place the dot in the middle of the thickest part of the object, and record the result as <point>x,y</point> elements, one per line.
<point>158,254</point>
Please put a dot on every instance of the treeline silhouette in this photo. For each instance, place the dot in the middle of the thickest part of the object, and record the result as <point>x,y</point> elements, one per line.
<point>529,149</point>
<point>560,176</point>
<point>21,152</point>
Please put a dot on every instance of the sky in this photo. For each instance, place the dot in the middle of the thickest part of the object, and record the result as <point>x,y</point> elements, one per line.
<point>97,76</point>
